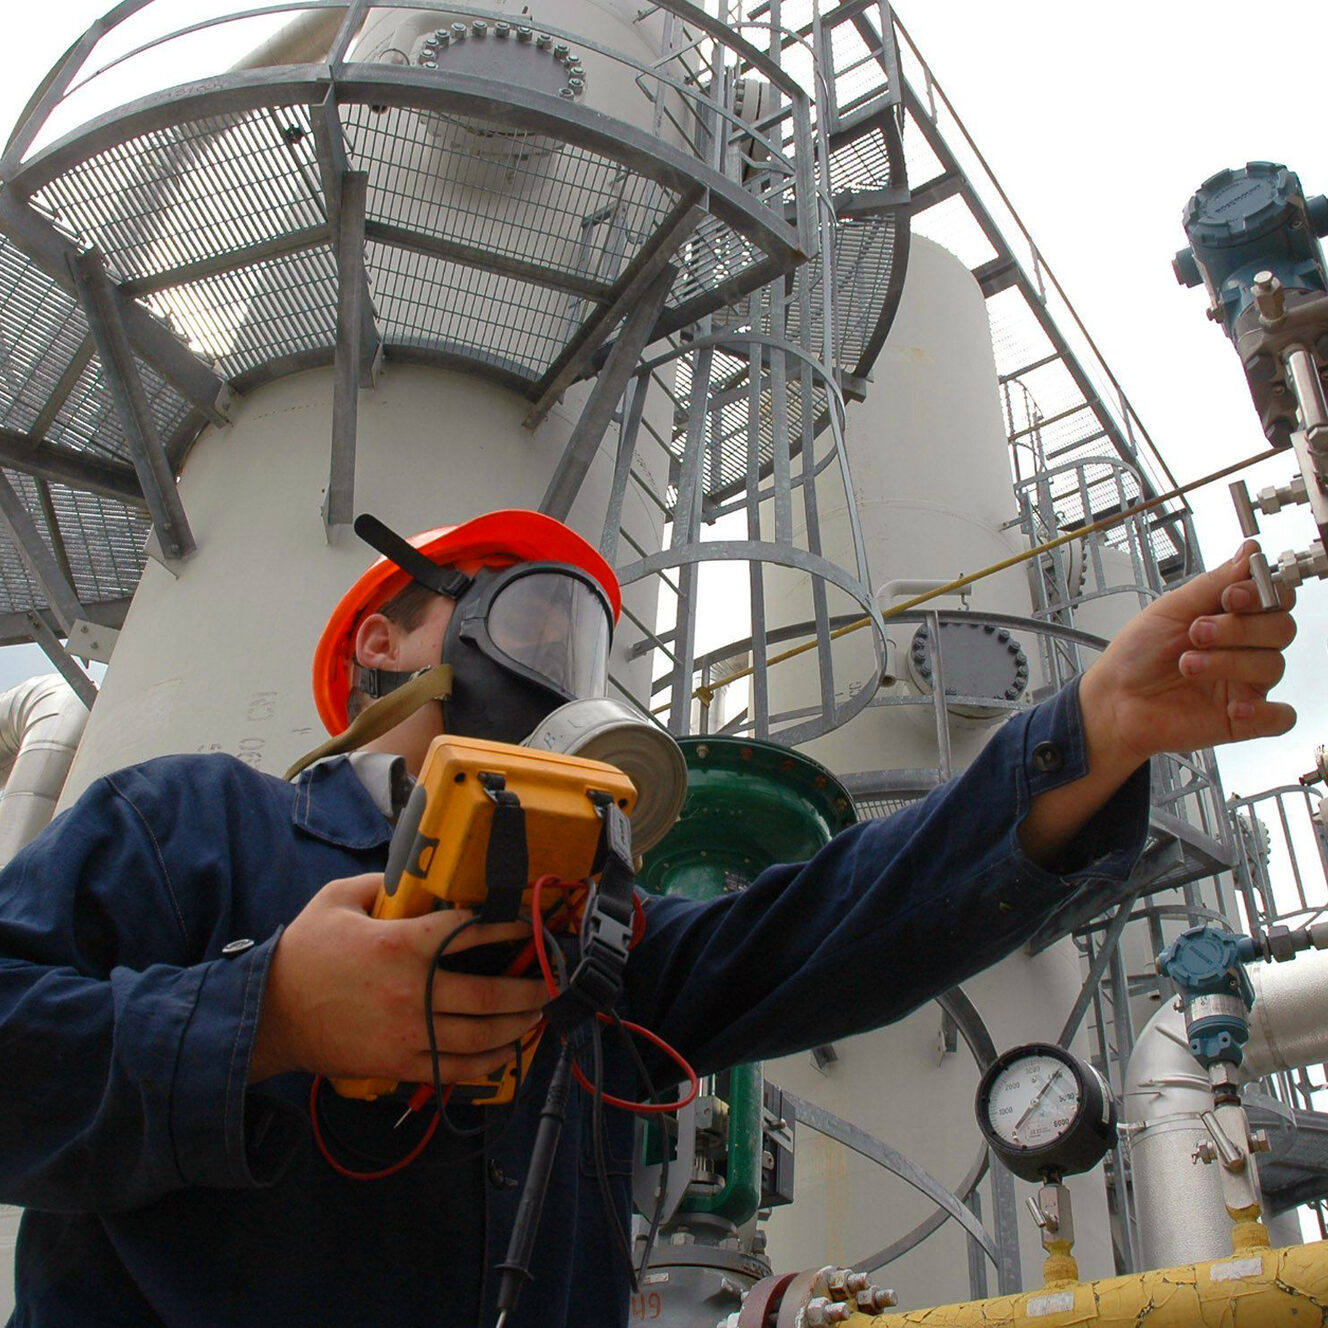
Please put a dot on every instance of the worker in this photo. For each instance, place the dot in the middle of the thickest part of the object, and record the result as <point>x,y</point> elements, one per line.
<point>188,945</point>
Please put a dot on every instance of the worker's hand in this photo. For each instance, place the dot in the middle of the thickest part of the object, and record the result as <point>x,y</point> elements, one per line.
<point>345,995</point>
<point>1193,670</point>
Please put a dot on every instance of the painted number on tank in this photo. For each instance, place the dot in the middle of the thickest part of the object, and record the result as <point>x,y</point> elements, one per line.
<point>647,1306</point>
<point>251,751</point>
<point>262,706</point>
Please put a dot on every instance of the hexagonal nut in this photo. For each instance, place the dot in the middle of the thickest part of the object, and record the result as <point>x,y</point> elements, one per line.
<point>875,1299</point>
<point>844,1282</point>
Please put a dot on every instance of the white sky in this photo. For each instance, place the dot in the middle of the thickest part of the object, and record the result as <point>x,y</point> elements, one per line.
<point>1099,121</point>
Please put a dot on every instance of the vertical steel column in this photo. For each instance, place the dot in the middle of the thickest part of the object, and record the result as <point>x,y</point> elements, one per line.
<point>1005,1223</point>
<point>339,505</point>
<point>1123,1025</point>
<point>120,373</point>
<point>977,1264</point>
<point>333,168</point>
<point>628,432</point>
<point>686,530</point>
<point>946,764</point>
<point>820,608</point>
<point>755,569</point>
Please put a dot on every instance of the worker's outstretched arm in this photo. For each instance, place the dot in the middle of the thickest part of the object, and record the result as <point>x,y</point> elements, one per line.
<point>894,911</point>
<point>1192,670</point>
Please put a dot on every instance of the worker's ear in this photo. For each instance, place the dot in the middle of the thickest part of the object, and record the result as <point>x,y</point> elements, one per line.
<point>376,642</point>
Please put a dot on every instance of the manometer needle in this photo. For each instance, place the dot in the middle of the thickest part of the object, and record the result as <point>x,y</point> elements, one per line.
<point>1032,1106</point>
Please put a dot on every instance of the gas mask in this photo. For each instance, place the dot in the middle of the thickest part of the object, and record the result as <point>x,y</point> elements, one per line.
<point>522,641</point>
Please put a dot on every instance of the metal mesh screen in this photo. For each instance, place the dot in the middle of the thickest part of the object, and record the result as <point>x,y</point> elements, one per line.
<point>41,332</point>
<point>246,318</point>
<point>189,192</point>
<point>504,191</point>
<point>443,306</point>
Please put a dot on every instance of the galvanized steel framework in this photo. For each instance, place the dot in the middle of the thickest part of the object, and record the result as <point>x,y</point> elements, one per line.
<point>208,238</point>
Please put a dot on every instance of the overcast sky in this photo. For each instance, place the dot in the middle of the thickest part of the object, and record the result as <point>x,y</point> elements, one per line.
<point>1099,121</point>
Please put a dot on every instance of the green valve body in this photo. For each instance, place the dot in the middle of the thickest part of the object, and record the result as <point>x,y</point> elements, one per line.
<point>749,806</point>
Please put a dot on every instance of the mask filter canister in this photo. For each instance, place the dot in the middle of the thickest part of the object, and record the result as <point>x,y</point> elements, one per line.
<point>609,730</point>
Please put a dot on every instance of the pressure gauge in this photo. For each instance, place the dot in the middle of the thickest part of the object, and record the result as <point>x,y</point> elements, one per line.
<point>1046,1113</point>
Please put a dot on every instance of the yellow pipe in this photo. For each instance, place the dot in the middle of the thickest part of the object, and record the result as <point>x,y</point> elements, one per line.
<point>1257,1288</point>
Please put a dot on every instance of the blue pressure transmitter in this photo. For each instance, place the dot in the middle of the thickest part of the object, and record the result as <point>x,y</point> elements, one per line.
<point>1207,964</point>
<point>1253,244</point>
<point>1250,220</point>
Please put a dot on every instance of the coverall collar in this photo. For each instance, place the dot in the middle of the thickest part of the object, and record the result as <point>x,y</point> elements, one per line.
<point>333,804</point>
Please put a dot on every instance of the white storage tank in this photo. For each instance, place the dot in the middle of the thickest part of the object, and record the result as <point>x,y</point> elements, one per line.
<point>928,455</point>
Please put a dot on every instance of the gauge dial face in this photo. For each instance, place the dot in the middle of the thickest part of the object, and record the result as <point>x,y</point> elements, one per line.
<point>1033,1102</point>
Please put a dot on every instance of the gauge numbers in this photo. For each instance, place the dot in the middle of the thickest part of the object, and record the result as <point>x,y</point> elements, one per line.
<point>1033,1102</point>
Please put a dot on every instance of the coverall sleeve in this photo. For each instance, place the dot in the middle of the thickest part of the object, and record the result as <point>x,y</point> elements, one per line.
<point>124,1077</point>
<point>891,913</point>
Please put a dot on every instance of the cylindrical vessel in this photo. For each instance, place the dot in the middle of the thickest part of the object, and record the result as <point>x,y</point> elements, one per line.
<point>928,455</point>
<point>215,654</point>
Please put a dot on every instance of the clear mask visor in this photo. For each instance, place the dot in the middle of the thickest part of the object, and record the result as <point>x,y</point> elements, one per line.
<point>554,625</point>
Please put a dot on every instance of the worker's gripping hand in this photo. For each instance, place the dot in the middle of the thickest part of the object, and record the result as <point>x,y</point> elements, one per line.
<point>1193,670</point>
<point>345,995</point>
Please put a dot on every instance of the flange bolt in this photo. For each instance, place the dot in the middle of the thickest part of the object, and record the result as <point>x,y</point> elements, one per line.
<point>820,1312</point>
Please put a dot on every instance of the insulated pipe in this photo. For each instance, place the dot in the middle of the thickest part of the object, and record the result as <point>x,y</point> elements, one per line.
<point>1259,1288</point>
<point>41,722</point>
<point>885,596</point>
<point>1182,1216</point>
<point>1289,1022</point>
<point>1179,1203</point>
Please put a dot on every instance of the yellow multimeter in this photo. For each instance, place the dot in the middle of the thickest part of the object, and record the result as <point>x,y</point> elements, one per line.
<point>440,851</point>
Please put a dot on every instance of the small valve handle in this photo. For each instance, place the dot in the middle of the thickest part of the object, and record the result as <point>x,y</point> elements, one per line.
<point>1262,576</point>
<point>1240,496</point>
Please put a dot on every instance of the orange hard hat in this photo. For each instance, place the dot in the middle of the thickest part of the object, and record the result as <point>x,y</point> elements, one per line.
<point>496,539</point>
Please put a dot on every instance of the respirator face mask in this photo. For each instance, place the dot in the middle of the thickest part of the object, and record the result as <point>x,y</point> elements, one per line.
<point>522,641</point>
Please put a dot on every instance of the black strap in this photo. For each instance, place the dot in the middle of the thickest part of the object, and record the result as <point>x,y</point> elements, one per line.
<point>441,580</point>
<point>606,929</point>
<point>507,860</point>
<point>379,682</point>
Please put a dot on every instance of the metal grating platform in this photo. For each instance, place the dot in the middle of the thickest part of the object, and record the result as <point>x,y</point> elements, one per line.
<point>505,229</point>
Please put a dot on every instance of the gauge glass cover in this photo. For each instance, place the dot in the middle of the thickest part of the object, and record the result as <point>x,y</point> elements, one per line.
<point>1033,1102</point>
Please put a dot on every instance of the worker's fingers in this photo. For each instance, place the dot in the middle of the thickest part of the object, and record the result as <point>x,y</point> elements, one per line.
<point>1204,593</point>
<point>1263,631</point>
<point>1258,668</point>
<point>1259,719</point>
<point>456,1069</point>
<point>459,1035</point>
<point>465,993</point>
<point>423,935</point>
<point>1243,597</point>
<point>357,892</point>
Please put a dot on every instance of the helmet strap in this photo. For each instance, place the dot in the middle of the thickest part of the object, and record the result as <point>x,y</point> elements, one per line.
<point>386,713</point>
